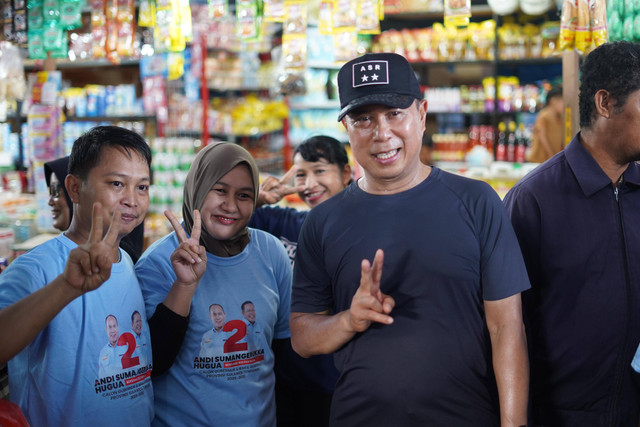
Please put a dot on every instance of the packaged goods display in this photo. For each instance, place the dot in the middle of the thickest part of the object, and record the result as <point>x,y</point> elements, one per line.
<point>263,74</point>
<point>623,19</point>
<point>584,24</point>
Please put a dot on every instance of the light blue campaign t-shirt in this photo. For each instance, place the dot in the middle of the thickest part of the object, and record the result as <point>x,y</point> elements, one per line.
<point>84,368</point>
<point>222,377</point>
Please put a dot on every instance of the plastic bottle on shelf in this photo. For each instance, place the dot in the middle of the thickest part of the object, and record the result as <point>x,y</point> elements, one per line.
<point>511,142</point>
<point>521,143</point>
<point>501,148</point>
<point>474,136</point>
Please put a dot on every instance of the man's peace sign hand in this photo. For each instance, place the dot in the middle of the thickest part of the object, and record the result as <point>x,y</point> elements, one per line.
<point>272,189</point>
<point>189,260</point>
<point>369,304</point>
<point>89,265</point>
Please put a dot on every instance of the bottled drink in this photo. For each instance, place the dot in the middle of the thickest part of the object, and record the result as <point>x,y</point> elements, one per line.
<point>521,143</point>
<point>501,148</point>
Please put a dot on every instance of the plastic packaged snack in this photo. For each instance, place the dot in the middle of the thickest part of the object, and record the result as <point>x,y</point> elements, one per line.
<point>568,23</point>
<point>457,13</point>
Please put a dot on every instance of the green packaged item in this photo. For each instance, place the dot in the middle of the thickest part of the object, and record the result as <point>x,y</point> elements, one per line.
<point>615,26</point>
<point>636,25</point>
<point>71,14</point>
<point>36,44</point>
<point>53,35</point>
<point>627,28</point>
<point>62,52</point>
<point>34,15</point>
<point>630,7</point>
<point>248,20</point>
<point>50,10</point>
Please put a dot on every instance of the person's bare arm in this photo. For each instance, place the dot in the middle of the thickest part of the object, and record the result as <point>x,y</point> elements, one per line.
<point>324,333</point>
<point>510,359</point>
<point>87,268</point>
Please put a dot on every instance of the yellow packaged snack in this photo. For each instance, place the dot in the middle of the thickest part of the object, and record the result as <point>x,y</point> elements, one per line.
<point>568,22</point>
<point>583,30</point>
<point>599,22</point>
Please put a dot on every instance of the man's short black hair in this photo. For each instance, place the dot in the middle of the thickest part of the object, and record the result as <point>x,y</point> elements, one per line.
<point>323,147</point>
<point>614,67</point>
<point>245,303</point>
<point>87,149</point>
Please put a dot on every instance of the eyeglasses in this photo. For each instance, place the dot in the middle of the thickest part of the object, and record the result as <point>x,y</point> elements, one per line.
<point>55,190</point>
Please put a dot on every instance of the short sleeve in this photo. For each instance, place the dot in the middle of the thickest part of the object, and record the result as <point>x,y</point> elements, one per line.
<point>155,272</point>
<point>503,270</point>
<point>312,288</point>
<point>283,276</point>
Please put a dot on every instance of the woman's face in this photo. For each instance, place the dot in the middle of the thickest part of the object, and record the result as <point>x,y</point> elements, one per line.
<point>60,211</point>
<point>228,206</point>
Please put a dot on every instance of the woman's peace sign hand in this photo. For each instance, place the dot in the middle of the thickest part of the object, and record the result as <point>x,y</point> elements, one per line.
<point>189,260</point>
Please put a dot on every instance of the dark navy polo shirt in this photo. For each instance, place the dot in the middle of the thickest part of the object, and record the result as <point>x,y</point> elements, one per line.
<point>580,238</point>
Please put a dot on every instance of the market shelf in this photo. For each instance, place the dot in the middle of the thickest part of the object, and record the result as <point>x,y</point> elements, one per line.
<point>530,61</point>
<point>318,105</point>
<point>33,64</point>
<point>482,10</point>
<point>125,118</point>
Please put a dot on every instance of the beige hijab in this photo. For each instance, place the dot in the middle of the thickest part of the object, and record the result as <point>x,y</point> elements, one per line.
<point>212,163</point>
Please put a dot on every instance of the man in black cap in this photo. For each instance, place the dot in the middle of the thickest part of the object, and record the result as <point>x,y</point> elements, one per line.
<point>411,275</point>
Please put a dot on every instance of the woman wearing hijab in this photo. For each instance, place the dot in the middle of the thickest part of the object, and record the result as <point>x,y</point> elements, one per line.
<point>55,173</point>
<point>215,313</point>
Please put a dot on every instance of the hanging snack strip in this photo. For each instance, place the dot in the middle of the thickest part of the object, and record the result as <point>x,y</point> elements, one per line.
<point>583,25</point>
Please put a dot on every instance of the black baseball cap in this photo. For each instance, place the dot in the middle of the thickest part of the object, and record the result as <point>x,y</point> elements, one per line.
<point>377,78</point>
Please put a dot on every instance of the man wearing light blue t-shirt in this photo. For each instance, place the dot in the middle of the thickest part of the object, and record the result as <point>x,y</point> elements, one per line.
<point>56,299</point>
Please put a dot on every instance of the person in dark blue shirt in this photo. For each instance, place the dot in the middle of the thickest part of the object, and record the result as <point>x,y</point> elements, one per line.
<point>577,218</point>
<point>410,275</point>
<point>321,169</point>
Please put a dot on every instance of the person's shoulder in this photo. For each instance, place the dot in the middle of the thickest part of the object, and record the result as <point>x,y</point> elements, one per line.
<point>54,248</point>
<point>462,186</point>
<point>262,238</point>
<point>329,206</point>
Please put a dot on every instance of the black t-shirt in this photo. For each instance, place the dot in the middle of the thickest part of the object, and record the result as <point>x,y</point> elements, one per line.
<point>448,245</point>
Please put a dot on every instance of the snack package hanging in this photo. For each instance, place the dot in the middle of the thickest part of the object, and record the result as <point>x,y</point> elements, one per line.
<point>162,30</point>
<point>248,20</point>
<point>274,10</point>
<point>457,13</point>
<point>344,13</point>
<point>294,36</point>
<point>583,29</point>
<point>218,9</point>
<point>368,17</point>
<point>599,22</point>
<point>147,13</point>
<point>325,17</point>
<point>71,14</point>
<point>568,22</point>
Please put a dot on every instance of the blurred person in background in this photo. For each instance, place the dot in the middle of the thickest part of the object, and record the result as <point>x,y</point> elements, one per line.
<point>548,129</point>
